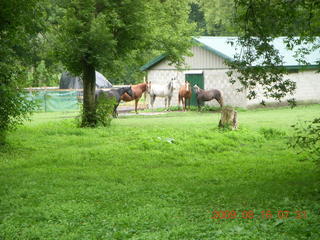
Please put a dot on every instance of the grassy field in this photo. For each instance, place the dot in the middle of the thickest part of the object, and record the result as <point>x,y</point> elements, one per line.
<point>159,177</point>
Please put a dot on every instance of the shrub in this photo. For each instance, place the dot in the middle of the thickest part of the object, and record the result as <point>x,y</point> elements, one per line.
<point>104,111</point>
<point>14,109</point>
<point>306,138</point>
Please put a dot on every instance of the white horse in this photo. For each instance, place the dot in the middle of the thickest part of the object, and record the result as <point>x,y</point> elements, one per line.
<point>158,90</point>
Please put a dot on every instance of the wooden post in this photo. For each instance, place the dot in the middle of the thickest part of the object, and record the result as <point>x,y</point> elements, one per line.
<point>228,118</point>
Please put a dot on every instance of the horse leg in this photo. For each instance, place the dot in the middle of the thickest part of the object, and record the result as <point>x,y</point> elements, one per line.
<point>183,103</point>
<point>218,100</point>
<point>136,105</point>
<point>152,99</point>
<point>115,113</point>
<point>179,100</point>
<point>165,103</point>
<point>169,101</point>
<point>198,102</point>
<point>221,101</point>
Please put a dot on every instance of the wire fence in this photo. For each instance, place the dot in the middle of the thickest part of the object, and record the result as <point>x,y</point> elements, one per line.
<point>51,99</point>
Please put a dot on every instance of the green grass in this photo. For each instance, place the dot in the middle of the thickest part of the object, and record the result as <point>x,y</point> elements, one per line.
<point>157,177</point>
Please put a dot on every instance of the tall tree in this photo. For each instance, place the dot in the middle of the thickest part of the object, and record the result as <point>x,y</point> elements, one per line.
<point>197,16</point>
<point>258,23</point>
<point>96,34</point>
<point>19,24</point>
<point>219,16</point>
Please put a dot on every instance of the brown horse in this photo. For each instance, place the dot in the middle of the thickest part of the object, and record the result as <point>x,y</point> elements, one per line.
<point>137,90</point>
<point>208,95</point>
<point>185,93</point>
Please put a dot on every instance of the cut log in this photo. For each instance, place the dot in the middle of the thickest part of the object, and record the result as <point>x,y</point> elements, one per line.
<point>228,118</point>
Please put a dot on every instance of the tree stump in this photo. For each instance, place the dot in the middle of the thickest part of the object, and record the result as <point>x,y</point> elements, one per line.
<point>228,118</point>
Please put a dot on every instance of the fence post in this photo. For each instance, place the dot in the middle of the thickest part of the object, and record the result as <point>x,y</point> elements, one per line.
<point>45,100</point>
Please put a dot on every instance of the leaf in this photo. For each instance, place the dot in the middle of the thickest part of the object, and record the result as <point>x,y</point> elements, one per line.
<point>278,223</point>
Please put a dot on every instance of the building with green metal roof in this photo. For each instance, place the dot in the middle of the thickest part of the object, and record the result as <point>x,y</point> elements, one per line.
<point>207,68</point>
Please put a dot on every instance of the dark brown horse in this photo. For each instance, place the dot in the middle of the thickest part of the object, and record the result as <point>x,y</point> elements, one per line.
<point>208,95</point>
<point>137,90</point>
<point>115,93</point>
<point>185,93</point>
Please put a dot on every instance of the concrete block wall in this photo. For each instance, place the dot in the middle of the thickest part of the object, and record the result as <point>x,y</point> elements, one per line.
<point>308,88</point>
<point>218,79</point>
<point>212,79</point>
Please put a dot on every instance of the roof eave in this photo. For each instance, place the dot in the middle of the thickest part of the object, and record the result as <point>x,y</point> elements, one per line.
<point>302,67</point>
<point>153,62</point>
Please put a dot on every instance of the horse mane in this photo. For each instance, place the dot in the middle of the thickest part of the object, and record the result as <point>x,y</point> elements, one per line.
<point>187,86</point>
<point>143,85</point>
<point>170,83</point>
<point>197,88</point>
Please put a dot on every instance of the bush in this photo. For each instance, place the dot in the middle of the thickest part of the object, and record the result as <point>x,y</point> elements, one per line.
<point>14,109</point>
<point>306,138</point>
<point>104,111</point>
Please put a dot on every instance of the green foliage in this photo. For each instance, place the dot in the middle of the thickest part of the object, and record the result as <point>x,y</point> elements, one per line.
<point>94,34</point>
<point>258,23</point>
<point>105,109</point>
<point>306,139</point>
<point>214,17</point>
<point>58,181</point>
<point>18,28</point>
<point>169,28</point>
<point>197,16</point>
<point>268,75</point>
<point>104,32</point>
<point>219,17</point>
<point>42,77</point>
<point>104,112</point>
<point>14,109</point>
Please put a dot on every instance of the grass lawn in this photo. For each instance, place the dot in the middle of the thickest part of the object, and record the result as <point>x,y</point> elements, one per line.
<point>159,177</point>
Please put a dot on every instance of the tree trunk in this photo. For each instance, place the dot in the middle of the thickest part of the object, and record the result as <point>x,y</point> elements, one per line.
<point>228,118</point>
<point>89,87</point>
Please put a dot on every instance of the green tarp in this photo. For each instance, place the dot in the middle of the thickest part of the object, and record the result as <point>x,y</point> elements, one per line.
<point>55,101</point>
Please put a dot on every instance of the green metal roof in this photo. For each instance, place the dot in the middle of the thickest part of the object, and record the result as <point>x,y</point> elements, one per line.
<point>220,46</point>
<point>212,48</point>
